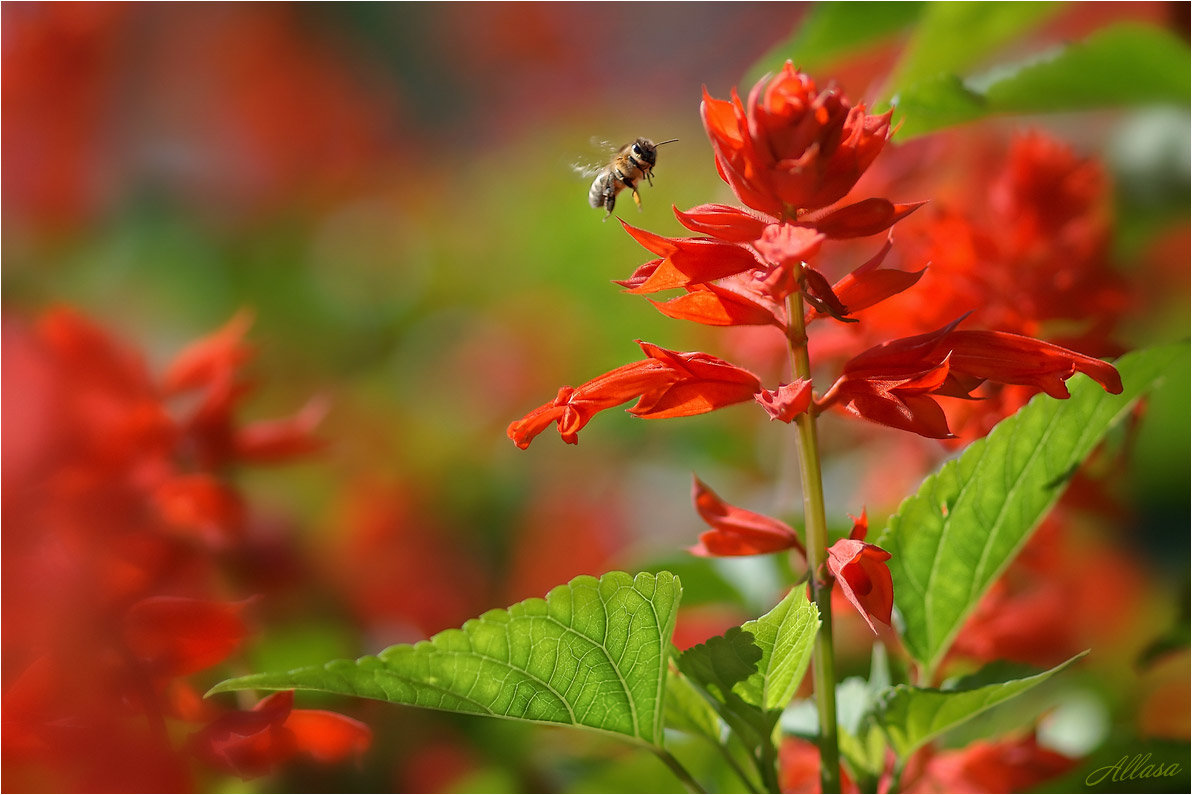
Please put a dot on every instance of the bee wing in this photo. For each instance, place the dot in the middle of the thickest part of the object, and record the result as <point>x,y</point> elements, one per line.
<point>587,170</point>
<point>599,158</point>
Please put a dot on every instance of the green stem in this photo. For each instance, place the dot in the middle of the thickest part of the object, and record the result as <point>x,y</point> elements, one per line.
<point>823,663</point>
<point>677,768</point>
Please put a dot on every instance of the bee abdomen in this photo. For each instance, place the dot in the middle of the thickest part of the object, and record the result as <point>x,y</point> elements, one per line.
<point>602,192</point>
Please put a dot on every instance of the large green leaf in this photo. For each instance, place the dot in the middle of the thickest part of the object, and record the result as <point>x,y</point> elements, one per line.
<point>952,37</point>
<point>911,716</point>
<point>687,710</point>
<point>592,654</point>
<point>953,538</point>
<point>1123,65</point>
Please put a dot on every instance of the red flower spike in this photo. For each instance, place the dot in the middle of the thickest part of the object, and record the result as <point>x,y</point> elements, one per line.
<point>667,384</point>
<point>786,402</point>
<point>723,222</point>
<point>864,218</point>
<point>860,570</point>
<point>791,148</point>
<point>179,636</point>
<point>736,531</point>
<point>714,305</point>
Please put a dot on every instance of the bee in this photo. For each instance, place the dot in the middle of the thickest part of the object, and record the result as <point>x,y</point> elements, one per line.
<point>632,161</point>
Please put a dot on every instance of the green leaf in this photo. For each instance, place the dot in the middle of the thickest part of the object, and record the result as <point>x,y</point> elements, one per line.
<point>1127,64</point>
<point>688,711</point>
<point>952,539</point>
<point>1123,65</point>
<point>751,673</point>
<point>952,37</point>
<point>912,716</point>
<point>786,636</point>
<point>832,30</point>
<point>593,654</point>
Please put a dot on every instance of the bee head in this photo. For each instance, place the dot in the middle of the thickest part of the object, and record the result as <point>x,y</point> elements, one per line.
<point>646,150</point>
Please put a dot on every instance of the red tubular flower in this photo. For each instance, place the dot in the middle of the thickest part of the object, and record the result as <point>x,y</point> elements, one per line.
<point>792,148</point>
<point>893,383</point>
<point>667,384</point>
<point>736,531</point>
<point>860,570</point>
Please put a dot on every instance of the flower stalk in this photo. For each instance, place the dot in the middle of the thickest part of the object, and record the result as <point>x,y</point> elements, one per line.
<point>816,543</point>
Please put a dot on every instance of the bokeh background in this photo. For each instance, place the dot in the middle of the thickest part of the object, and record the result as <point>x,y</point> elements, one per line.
<point>389,189</point>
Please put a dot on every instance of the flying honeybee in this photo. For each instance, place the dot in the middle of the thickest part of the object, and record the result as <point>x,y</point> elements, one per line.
<point>632,161</point>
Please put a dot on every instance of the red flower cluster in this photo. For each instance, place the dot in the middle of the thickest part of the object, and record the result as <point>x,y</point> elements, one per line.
<point>117,509</point>
<point>793,149</point>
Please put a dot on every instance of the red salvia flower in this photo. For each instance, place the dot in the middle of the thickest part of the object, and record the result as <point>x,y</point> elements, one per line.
<point>792,148</point>
<point>893,383</point>
<point>255,742</point>
<point>667,384</point>
<point>860,570</point>
<point>737,531</point>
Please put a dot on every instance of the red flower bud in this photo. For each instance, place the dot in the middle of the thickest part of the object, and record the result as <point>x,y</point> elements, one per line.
<point>860,570</point>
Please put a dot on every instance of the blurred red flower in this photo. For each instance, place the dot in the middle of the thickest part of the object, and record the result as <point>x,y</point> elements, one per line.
<point>1016,765</point>
<point>792,148</point>
<point>118,507</point>
<point>254,742</point>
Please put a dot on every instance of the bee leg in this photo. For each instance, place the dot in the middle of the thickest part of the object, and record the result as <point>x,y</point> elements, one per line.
<point>637,199</point>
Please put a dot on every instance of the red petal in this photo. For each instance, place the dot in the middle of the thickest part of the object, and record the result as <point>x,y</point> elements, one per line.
<point>713,305</point>
<point>328,736</point>
<point>723,222</point>
<point>201,505</point>
<point>215,356</point>
<point>788,401</point>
